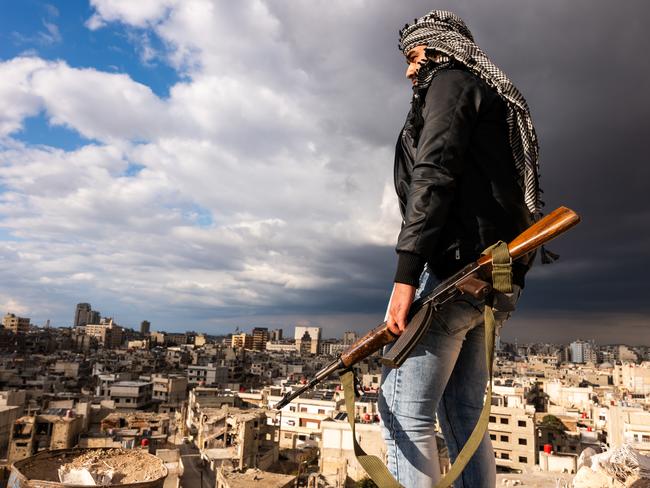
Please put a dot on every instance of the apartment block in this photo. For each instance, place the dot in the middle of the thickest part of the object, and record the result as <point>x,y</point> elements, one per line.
<point>17,325</point>
<point>131,394</point>
<point>512,432</point>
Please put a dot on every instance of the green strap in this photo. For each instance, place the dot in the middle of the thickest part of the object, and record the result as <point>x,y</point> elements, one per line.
<point>375,468</point>
<point>501,267</point>
<point>501,282</point>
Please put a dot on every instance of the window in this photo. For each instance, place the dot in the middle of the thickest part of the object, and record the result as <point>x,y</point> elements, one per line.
<point>504,420</point>
<point>493,418</point>
<point>493,437</point>
<point>523,459</point>
<point>504,438</point>
<point>505,455</point>
<point>302,437</point>
<point>321,410</point>
<point>523,442</point>
<point>521,423</point>
<point>288,435</point>
<point>645,438</point>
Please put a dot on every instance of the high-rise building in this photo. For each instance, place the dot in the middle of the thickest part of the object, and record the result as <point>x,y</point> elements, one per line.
<point>95,317</point>
<point>582,352</point>
<point>82,314</point>
<point>276,335</point>
<point>260,338</point>
<point>349,337</point>
<point>145,327</point>
<point>242,340</point>
<point>307,338</point>
<point>15,324</point>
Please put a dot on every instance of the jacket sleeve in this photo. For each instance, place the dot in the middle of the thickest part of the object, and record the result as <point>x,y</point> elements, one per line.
<point>450,113</point>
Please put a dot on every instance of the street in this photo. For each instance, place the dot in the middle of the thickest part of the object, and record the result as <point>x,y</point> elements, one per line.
<point>193,466</point>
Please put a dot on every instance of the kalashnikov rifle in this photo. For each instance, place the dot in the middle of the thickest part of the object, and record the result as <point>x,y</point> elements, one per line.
<point>468,280</point>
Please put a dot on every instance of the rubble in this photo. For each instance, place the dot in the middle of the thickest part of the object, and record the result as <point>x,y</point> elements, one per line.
<point>623,467</point>
<point>101,466</point>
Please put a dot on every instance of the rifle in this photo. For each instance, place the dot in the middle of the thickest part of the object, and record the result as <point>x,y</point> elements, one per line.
<point>467,280</point>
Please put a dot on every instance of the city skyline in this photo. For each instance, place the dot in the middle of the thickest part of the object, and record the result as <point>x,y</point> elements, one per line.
<point>212,165</point>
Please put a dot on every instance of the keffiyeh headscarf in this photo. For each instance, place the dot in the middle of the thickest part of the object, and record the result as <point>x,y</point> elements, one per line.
<point>447,37</point>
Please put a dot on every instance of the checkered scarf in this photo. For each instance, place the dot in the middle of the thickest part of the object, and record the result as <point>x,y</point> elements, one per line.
<point>446,35</point>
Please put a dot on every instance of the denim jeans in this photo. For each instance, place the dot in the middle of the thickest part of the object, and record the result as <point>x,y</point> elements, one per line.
<point>445,373</point>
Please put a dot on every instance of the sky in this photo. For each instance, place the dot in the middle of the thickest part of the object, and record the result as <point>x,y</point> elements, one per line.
<point>207,164</point>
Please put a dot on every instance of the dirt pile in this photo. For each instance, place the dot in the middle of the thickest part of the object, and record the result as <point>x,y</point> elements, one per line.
<point>120,466</point>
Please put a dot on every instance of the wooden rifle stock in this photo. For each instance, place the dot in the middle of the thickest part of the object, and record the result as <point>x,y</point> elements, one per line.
<point>549,227</point>
<point>465,281</point>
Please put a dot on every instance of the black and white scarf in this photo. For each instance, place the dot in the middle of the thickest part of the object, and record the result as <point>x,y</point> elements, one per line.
<point>449,41</point>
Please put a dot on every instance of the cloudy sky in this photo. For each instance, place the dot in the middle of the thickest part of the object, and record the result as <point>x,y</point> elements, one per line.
<point>209,164</point>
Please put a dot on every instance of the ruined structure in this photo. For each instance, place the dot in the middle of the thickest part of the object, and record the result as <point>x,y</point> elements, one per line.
<point>234,438</point>
<point>42,432</point>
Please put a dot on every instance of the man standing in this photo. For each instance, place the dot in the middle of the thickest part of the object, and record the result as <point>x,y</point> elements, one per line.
<point>466,177</point>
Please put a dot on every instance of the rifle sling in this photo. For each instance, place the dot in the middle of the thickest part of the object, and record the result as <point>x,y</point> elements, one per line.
<point>374,466</point>
<point>376,469</point>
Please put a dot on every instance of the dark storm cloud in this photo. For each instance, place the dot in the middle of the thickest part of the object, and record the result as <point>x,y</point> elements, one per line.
<point>582,68</point>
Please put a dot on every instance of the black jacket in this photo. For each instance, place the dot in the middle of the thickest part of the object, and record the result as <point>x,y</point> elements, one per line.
<point>458,188</point>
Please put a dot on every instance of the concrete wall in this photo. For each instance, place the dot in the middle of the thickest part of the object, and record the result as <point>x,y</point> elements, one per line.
<point>558,463</point>
<point>337,444</point>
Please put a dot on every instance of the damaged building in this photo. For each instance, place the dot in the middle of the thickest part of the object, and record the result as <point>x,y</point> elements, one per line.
<point>239,439</point>
<point>127,430</point>
<point>52,430</point>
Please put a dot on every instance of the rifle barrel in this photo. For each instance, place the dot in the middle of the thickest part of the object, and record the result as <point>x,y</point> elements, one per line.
<point>318,377</point>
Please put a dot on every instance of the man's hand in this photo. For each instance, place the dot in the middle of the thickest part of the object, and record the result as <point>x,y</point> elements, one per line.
<point>400,303</point>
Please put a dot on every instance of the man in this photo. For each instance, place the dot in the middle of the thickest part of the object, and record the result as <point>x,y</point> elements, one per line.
<point>466,177</point>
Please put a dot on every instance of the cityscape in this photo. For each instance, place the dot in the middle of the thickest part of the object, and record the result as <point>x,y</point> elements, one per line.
<point>203,405</point>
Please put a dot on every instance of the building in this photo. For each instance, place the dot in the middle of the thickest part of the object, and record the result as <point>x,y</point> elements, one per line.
<point>51,430</point>
<point>628,425</point>
<point>17,325</point>
<point>84,314</point>
<point>280,346</point>
<point>349,337</point>
<point>107,333</point>
<point>131,394</point>
<point>582,352</point>
<point>242,340</point>
<point>512,429</point>
<point>633,378</point>
<point>145,327</point>
<point>260,338</point>
<point>237,439</point>
<point>169,390</point>
<point>307,339</point>
<point>337,454</point>
<point>8,416</point>
<point>210,375</point>
<point>253,477</point>
<point>276,335</point>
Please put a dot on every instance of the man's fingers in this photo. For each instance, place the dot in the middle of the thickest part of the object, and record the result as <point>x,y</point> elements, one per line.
<point>392,325</point>
<point>401,322</point>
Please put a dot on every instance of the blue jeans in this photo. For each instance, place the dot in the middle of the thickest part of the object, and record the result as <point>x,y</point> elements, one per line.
<point>445,373</point>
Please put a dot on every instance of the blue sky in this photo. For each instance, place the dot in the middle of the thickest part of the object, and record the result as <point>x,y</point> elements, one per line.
<point>209,164</point>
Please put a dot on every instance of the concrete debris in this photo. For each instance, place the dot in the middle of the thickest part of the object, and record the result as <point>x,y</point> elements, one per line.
<point>618,468</point>
<point>84,477</point>
<point>97,467</point>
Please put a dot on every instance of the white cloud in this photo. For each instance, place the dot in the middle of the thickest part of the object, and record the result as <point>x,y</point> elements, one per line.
<point>250,181</point>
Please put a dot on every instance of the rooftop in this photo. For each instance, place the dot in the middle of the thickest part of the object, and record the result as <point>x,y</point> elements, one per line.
<point>257,478</point>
